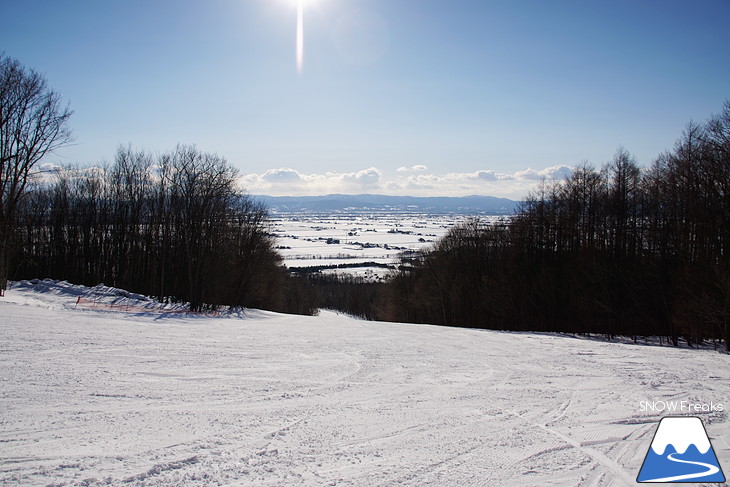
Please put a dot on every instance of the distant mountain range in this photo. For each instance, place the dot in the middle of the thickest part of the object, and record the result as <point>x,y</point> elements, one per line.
<point>437,204</point>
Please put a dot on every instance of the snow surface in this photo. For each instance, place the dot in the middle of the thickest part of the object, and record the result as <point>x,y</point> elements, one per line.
<point>314,239</point>
<point>105,395</point>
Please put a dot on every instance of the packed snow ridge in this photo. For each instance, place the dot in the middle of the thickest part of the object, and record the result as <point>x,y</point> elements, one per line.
<point>103,387</point>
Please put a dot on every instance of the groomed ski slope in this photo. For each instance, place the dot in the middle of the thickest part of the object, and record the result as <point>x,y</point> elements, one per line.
<point>133,396</point>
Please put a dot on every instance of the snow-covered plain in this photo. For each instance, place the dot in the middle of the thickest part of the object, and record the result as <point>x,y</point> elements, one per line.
<point>358,236</point>
<point>131,394</point>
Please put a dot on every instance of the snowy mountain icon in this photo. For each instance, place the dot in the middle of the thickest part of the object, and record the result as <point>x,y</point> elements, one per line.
<point>681,452</point>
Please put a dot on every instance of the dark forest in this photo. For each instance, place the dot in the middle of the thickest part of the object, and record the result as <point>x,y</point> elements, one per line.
<point>615,251</point>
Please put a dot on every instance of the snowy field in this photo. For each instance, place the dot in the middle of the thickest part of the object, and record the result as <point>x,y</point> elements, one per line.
<point>309,239</point>
<point>114,391</point>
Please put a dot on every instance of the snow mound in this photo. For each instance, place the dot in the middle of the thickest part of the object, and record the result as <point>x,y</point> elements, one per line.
<point>55,294</point>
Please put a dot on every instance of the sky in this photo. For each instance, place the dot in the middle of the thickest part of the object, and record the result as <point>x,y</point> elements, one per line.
<point>407,97</point>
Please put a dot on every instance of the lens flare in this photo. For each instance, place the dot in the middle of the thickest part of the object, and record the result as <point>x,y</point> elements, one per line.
<point>300,35</point>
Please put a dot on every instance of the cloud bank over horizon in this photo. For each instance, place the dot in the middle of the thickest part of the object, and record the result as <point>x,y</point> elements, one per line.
<point>415,180</point>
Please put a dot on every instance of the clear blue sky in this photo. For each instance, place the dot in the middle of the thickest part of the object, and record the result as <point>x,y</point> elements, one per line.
<point>462,96</point>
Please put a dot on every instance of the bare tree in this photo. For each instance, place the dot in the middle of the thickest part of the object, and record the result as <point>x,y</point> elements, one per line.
<point>32,123</point>
<point>203,191</point>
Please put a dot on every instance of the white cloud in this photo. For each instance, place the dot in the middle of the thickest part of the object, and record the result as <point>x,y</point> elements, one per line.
<point>491,176</point>
<point>414,168</point>
<point>47,172</point>
<point>283,175</point>
<point>413,181</point>
<point>366,178</point>
<point>552,172</point>
<point>287,181</point>
<point>559,172</point>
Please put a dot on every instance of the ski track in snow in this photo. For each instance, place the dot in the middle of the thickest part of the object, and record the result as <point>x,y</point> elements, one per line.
<point>91,397</point>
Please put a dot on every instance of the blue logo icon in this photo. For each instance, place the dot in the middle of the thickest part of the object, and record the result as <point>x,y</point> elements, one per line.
<point>680,452</point>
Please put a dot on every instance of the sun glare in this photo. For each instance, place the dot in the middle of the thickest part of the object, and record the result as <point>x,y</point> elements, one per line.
<point>300,4</point>
<point>300,35</point>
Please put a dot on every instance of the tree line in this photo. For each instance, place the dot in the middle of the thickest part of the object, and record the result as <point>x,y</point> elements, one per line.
<point>174,226</point>
<point>616,251</point>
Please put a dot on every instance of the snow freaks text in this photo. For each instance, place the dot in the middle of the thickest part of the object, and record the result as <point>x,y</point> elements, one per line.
<point>682,407</point>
